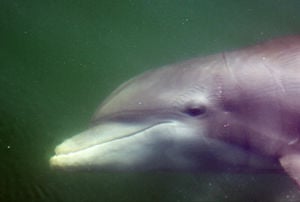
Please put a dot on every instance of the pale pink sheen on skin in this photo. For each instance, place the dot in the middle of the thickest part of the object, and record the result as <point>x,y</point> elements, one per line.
<point>233,109</point>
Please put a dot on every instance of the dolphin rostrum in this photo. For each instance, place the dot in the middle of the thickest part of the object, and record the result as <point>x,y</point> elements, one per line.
<point>231,111</point>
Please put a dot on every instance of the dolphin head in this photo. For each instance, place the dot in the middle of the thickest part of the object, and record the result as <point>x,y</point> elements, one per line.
<point>158,120</point>
<point>227,111</point>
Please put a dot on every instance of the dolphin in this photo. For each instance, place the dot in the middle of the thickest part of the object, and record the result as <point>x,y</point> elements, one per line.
<point>232,111</point>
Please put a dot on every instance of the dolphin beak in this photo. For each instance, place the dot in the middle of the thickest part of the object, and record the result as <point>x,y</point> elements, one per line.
<point>105,146</point>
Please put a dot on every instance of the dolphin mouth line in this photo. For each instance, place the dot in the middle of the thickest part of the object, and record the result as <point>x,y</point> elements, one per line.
<point>110,141</point>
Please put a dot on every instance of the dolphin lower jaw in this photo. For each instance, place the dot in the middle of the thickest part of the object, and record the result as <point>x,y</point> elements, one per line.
<point>101,155</point>
<point>125,149</point>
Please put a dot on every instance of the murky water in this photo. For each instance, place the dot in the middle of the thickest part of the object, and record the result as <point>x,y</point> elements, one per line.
<point>58,60</point>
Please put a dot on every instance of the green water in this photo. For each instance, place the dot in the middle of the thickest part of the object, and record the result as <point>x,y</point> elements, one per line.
<point>59,59</point>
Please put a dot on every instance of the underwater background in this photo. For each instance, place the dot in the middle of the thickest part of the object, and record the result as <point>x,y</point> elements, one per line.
<point>59,59</point>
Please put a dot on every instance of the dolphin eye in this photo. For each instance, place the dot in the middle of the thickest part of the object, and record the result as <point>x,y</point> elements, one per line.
<point>195,110</point>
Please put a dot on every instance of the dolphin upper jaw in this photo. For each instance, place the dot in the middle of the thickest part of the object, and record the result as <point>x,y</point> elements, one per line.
<point>103,133</point>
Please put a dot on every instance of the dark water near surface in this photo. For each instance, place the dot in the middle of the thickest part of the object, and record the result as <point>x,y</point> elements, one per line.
<point>59,59</point>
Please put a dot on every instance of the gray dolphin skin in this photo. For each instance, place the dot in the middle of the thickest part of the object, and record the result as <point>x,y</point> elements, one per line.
<point>232,111</point>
